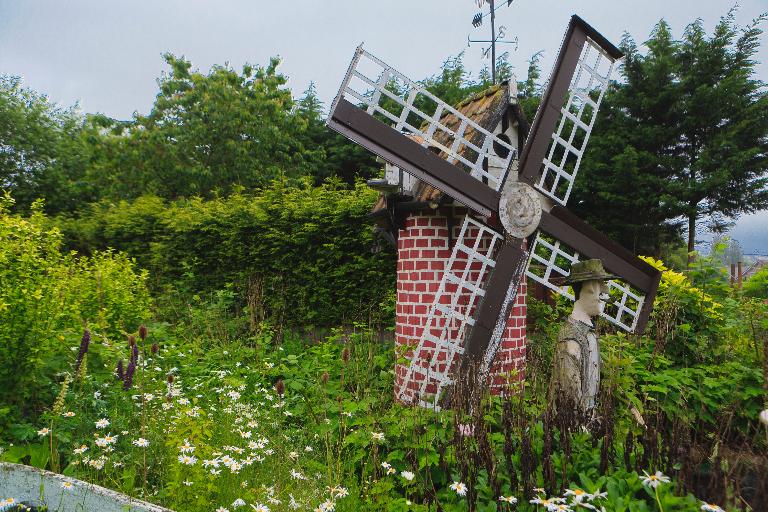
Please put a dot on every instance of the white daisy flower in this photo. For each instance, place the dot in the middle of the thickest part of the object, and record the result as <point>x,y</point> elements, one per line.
<point>655,480</point>
<point>578,495</point>
<point>408,475</point>
<point>187,460</point>
<point>710,507</point>
<point>140,442</point>
<point>459,487</point>
<point>327,506</point>
<point>297,475</point>
<point>508,499</point>
<point>102,423</point>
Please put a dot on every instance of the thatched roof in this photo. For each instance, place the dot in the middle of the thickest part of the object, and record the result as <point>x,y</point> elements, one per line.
<point>485,108</point>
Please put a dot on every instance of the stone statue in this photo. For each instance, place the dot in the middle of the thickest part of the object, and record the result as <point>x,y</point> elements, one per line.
<point>576,371</point>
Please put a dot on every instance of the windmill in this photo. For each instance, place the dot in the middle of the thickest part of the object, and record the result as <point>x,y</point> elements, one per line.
<point>522,213</point>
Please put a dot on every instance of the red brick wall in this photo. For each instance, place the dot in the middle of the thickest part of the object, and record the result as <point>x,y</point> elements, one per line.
<point>423,252</point>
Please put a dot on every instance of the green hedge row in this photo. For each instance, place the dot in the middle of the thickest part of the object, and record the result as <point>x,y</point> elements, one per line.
<point>298,255</point>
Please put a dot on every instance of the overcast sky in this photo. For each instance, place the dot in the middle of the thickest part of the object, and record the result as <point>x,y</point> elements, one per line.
<point>106,54</point>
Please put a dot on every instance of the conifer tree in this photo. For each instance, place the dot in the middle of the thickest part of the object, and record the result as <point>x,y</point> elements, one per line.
<point>683,140</point>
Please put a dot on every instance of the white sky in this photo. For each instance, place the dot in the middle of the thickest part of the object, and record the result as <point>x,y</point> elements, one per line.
<point>106,54</point>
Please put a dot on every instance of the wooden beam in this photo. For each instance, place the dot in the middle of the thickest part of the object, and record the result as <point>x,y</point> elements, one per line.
<point>586,240</point>
<point>556,93</point>
<point>494,306</point>
<point>645,312</point>
<point>397,149</point>
<point>549,110</point>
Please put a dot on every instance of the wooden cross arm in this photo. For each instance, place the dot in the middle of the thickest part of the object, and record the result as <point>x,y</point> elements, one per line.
<point>591,243</point>
<point>410,156</point>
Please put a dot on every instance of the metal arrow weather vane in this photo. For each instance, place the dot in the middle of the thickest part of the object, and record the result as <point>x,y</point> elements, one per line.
<point>520,214</point>
<point>496,36</point>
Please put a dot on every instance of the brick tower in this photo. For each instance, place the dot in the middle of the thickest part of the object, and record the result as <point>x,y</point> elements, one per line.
<point>425,223</point>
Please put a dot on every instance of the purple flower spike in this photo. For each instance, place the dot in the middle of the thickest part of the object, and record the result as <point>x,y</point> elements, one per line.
<point>134,361</point>
<point>84,343</point>
<point>128,378</point>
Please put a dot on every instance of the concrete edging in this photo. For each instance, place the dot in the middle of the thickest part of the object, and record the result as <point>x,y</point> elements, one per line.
<point>25,483</point>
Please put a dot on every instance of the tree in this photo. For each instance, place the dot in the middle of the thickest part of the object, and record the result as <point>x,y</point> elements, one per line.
<point>206,134</point>
<point>42,150</point>
<point>684,137</point>
<point>335,155</point>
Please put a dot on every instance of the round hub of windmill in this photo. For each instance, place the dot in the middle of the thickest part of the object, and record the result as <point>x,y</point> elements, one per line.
<point>519,209</point>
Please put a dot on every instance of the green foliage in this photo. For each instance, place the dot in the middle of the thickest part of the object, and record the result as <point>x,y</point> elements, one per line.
<point>205,133</point>
<point>335,156</point>
<point>757,285</point>
<point>689,324</point>
<point>683,137</point>
<point>296,255</point>
<point>299,420</point>
<point>44,149</point>
<point>335,397</point>
<point>48,297</point>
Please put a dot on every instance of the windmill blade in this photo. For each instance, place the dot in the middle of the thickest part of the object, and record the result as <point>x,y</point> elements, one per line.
<point>571,240</point>
<point>564,121</point>
<point>493,311</point>
<point>385,95</point>
<point>451,315</point>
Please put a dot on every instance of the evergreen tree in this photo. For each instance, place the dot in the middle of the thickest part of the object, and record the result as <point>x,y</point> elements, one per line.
<point>684,139</point>
<point>335,155</point>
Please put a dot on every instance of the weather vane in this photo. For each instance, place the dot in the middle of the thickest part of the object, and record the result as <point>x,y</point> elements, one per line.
<point>496,36</point>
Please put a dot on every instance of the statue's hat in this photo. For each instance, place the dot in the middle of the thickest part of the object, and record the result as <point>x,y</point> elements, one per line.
<point>587,270</point>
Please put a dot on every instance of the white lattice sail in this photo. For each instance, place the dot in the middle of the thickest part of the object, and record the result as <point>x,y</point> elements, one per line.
<point>550,262</point>
<point>577,118</point>
<point>450,315</point>
<point>392,97</point>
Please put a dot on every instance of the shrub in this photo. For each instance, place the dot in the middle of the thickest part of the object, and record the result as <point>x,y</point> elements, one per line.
<point>297,255</point>
<point>47,298</point>
<point>688,323</point>
<point>757,285</point>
